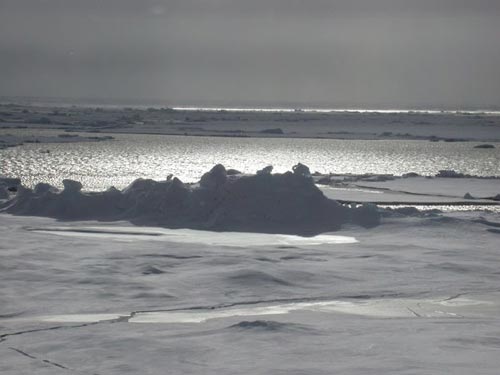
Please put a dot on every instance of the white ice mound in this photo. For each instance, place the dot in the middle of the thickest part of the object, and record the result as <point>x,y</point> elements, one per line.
<point>288,203</point>
<point>192,236</point>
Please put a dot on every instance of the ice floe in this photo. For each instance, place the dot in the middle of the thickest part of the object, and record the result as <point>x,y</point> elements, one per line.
<point>446,307</point>
<point>210,238</point>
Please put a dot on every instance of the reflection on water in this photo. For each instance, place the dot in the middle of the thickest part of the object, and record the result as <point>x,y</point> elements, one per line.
<point>103,164</point>
<point>448,207</point>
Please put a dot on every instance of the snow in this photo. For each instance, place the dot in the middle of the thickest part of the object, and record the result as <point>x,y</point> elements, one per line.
<point>444,126</point>
<point>385,308</point>
<point>80,318</point>
<point>412,295</point>
<point>286,203</point>
<point>416,190</point>
<point>444,187</point>
<point>234,239</point>
<point>135,281</point>
<point>16,136</point>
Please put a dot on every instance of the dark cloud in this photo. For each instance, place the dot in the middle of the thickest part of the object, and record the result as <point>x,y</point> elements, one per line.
<point>311,52</point>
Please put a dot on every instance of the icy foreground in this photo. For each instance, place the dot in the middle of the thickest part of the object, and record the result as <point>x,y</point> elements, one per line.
<point>413,295</point>
<point>410,295</point>
<point>265,203</point>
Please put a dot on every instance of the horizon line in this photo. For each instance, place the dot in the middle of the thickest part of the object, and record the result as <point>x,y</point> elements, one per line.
<point>115,103</point>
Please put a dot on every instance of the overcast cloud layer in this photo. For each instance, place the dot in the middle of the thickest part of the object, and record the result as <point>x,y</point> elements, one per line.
<point>334,53</point>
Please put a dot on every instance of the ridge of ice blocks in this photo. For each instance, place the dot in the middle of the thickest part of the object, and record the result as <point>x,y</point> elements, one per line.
<point>7,186</point>
<point>287,203</point>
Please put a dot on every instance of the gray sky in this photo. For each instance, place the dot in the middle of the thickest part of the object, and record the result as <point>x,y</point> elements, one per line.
<point>334,53</point>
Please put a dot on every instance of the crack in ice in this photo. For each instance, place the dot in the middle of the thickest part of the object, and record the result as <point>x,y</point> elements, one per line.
<point>4,337</point>
<point>47,361</point>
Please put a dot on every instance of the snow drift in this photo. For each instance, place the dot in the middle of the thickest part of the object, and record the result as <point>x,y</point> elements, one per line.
<point>287,203</point>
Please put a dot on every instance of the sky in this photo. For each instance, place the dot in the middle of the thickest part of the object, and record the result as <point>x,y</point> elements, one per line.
<point>299,53</point>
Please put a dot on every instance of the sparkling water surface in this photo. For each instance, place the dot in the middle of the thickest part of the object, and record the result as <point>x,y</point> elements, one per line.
<point>99,165</point>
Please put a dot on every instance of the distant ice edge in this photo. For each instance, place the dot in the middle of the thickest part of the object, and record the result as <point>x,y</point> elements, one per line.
<point>287,203</point>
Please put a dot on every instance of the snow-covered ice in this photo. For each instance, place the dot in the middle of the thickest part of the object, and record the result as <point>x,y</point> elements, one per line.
<point>417,190</point>
<point>421,125</point>
<point>85,290</point>
<point>413,293</point>
<point>288,203</point>
<point>234,239</point>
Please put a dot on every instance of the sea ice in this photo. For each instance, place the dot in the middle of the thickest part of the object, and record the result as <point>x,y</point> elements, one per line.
<point>413,291</point>
<point>210,238</point>
<point>288,203</point>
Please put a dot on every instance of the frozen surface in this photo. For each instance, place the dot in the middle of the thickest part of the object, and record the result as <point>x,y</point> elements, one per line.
<point>157,142</point>
<point>417,190</point>
<point>288,203</point>
<point>444,187</point>
<point>413,295</point>
<point>235,239</point>
<point>446,126</point>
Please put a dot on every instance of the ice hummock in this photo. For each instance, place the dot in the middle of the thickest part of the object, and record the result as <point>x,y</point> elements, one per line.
<point>288,203</point>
